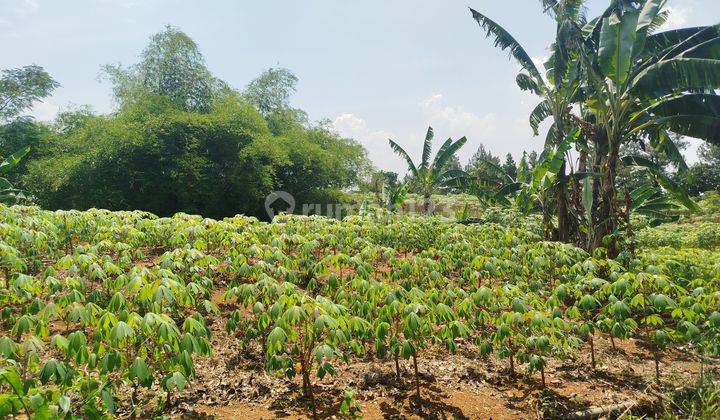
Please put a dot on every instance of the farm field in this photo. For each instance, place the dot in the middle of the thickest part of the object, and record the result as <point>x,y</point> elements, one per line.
<point>129,315</point>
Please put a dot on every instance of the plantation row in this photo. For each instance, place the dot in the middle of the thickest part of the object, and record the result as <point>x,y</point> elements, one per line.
<point>97,305</point>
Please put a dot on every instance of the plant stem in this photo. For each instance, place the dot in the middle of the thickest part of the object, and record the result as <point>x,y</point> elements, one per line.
<point>397,368</point>
<point>592,352</point>
<point>417,377</point>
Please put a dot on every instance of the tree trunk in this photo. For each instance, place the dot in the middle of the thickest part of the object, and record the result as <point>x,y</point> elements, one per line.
<point>397,368</point>
<point>427,201</point>
<point>604,219</point>
<point>547,224</point>
<point>417,377</point>
<point>656,358</point>
<point>310,394</point>
<point>629,234</point>
<point>562,208</point>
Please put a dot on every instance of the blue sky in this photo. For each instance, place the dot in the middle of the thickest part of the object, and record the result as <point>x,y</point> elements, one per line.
<point>375,68</point>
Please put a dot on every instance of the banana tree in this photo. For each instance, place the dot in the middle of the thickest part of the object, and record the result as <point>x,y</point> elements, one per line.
<point>558,90</point>
<point>640,85</point>
<point>430,175</point>
<point>8,193</point>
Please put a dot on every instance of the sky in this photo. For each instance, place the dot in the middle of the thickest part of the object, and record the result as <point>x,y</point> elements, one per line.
<point>376,69</point>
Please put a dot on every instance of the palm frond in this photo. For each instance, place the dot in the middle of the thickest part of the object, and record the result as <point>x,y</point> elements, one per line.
<point>427,148</point>
<point>525,82</point>
<point>445,155</point>
<point>677,75</point>
<point>541,112</point>
<point>505,41</point>
<point>403,154</point>
<point>661,178</point>
<point>695,115</point>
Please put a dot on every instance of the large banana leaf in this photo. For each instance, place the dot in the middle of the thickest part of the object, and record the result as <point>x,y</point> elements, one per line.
<point>708,49</point>
<point>642,194</point>
<point>445,153</point>
<point>403,154</point>
<point>427,148</point>
<point>665,41</point>
<point>663,143</point>
<point>645,24</point>
<point>690,42</point>
<point>5,184</point>
<point>504,40</point>
<point>668,184</point>
<point>617,38</point>
<point>695,115</point>
<point>541,112</point>
<point>525,82</point>
<point>676,75</point>
<point>498,170</point>
<point>13,160</point>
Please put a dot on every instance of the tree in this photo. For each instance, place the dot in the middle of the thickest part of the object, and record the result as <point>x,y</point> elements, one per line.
<point>629,84</point>
<point>532,159</point>
<point>642,85</point>
<point>477,161</point>
<point>509,166</point>
<point>428,176</point>
<point>710,154</point>
<point>704,175</point>
<point>632,178</point>
<point>72,119</point>
<point>523,169</point>
<point>171,67</point>
<point>19,88</point>
<point>270,92</point>
<point>557,91</point>
<point>8,193</point>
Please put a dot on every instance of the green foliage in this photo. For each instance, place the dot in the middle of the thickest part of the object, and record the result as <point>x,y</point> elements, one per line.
<point>181,141</point>
<point>172,68</point>
<point>270,92</point>
<point>83,316</point>
<point>428,176</point>
<point>20,88</point>
<point>8,193</point>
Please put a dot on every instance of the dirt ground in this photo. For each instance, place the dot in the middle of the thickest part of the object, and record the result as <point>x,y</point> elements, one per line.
<point>232,384</point>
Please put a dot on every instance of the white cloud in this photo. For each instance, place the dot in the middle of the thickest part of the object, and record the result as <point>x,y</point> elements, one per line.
<point>45,110</point>
<point>349,123</point>
<point>454,119</point>
<point>678,18</point>
<point>376,142</point>
<point>498,132</point>
<point>456,122</point>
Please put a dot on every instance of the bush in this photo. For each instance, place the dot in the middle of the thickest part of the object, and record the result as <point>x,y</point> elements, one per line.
<point>160,159</point>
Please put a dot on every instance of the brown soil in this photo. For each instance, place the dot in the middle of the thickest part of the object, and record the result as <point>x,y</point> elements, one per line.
<point>232,384</point>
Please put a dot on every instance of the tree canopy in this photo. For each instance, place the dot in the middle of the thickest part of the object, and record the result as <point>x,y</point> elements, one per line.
<point>183,141</point>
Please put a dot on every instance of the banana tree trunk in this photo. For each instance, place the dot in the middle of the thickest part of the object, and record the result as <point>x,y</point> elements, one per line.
<point>562,208</point>
<point>578,237</point>
<point>604,219</point>
<point>427,204</point>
